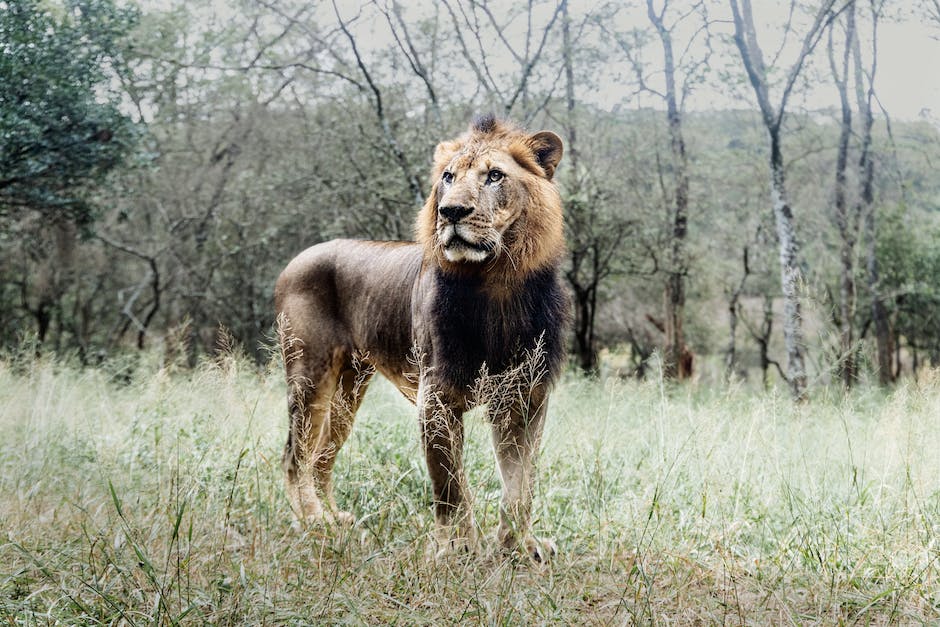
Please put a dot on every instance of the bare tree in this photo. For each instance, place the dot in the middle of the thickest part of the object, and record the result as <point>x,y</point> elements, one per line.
<point>847,221</point>
<point>378,106</point>
<point>864,95</point>
<point>421,68</point>
<point>475,25</point>
<point>772,115</point>
<point>761,334</point>
<point>129,316</point>
<point>594,234</point>
<point>676,355</point>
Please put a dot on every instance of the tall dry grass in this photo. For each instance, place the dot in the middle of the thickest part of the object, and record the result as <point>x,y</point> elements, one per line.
<point>157,497</point>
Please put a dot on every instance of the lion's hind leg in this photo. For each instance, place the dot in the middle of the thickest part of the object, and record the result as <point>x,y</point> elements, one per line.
<point>351,387</point>
<point>312,440</point>
<point>308,402</point>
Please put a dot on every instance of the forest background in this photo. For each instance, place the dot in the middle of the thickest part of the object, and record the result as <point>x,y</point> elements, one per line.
<point>740,202</point>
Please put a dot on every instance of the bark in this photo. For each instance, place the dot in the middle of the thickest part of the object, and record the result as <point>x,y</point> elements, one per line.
<point>884,342</point>
<point>791,275</point>
<point>675,366</point>
<point>846,224</point>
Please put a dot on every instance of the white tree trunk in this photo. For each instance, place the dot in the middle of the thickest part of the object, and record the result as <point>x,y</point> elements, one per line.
<point>791,279</point>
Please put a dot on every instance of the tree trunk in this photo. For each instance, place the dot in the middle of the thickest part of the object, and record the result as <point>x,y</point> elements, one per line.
<point>675,352</point>
<point>791,275</point>
<point>585,291</point>
<point>763,340</point>
<point>845,224</point>
<point>585,350</point>
<point>731,354</point>
<point>731,364</point>
<point>884,343</point>
<point>43,315</point>
<point>676,364</point>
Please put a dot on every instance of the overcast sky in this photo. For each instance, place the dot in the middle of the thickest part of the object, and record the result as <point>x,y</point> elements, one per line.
<point>907,82</point>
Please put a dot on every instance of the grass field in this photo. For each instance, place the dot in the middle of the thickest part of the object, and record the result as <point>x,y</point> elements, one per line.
<point>158,499</point>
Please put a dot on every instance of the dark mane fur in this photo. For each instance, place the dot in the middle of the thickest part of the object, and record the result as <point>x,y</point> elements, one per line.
<point>473,328</point>
<point>485,123</point>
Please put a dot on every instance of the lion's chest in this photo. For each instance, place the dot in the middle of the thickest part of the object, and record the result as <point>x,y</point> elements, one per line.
<point>471,329</point>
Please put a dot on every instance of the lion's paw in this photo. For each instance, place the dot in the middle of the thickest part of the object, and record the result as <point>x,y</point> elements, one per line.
<point>451,540</point>
<point>342,518</point>
<point>335,519</point>
<point>539,550</point>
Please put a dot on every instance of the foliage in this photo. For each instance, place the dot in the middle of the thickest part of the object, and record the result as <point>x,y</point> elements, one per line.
<point>272,128</point>
<point>910,279</point>
<point>60,131</point>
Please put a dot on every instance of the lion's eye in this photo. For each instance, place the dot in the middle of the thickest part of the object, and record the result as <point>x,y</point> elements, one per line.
<point>448,177</point>
<point>494,176</point>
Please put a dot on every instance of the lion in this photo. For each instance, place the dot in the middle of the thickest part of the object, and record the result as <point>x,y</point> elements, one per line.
<point>472,312</point>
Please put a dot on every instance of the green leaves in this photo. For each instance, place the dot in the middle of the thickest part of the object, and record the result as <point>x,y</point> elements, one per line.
<point>60,129</point>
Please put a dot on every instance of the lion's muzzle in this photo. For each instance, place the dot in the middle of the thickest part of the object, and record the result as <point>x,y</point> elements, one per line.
<point>461,244</point>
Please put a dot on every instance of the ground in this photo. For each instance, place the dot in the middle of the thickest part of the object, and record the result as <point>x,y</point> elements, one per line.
<point>145,495</point>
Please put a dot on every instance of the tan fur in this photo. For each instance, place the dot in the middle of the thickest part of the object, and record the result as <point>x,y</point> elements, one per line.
<point>349,308</point>
<point>536,238</point>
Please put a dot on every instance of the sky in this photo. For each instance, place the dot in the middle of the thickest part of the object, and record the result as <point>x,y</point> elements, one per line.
<point>907,81</point>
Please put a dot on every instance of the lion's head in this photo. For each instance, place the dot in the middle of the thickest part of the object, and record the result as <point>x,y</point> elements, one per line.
<point>493,201</point>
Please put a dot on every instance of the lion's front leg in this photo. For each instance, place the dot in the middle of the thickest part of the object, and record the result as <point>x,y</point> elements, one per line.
<point>442,440</point>
<point>516,437</point>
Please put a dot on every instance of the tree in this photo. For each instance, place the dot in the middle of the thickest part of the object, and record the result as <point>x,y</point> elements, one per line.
<point>57,136</point>
<point>61,132</point>
<point>864,95</point>
<point>595,230</point>
<point>674,293</point>
<point>847,221</point>
<point>676,356</point>
<point>772,115</point>
<point>910,268</point>
<point>485,46</point>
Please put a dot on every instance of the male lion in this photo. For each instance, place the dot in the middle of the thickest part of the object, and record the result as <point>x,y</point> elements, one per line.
<point>472,312</point>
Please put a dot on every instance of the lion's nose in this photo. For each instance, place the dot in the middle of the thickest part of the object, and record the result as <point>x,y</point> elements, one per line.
<point>455,213</point>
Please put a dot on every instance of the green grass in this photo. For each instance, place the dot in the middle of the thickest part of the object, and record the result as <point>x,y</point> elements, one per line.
<point>159,500</point>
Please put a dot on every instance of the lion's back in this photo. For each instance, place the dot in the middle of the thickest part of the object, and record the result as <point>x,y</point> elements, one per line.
<point>352,295</point>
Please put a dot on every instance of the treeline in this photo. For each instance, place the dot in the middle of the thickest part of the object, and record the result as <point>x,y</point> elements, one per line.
<point>159,167</point>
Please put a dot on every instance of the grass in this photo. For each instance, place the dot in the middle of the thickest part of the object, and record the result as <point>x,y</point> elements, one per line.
<point>157,498</point>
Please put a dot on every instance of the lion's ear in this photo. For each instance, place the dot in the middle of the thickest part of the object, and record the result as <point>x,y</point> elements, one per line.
<point>548,149</point>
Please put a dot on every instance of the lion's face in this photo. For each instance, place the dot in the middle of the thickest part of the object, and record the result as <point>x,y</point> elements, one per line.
<point>479,199</point>
<point>492,191</point>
